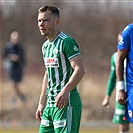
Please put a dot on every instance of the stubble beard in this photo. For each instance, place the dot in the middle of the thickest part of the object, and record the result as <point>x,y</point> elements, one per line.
<point>44,34</point>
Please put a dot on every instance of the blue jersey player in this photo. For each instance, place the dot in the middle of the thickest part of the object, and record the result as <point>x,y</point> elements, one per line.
<point>125,50</point>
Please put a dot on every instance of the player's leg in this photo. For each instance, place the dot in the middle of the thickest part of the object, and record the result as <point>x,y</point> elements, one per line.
<point>118,118</point>
<point>15,92</point>
<point>129,105</point>
<point>76,117</point>
<point>16,77</point>
<point>60,120</point>
<point>18,92</point>
<point>124,128</point>
<point>16,89</point>
<point>67,120</point>
<point>46,125</point>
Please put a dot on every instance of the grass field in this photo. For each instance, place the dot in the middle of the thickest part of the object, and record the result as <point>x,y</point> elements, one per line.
<point>93,127</point>
<point>85,130</point>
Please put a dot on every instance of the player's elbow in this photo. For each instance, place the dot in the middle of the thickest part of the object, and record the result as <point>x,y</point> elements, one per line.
<point>82,72</point>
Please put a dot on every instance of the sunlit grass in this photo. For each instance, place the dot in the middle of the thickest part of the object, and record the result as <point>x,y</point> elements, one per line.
<point>82,130</point>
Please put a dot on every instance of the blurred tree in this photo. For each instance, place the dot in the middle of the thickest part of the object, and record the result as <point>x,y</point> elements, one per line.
<point>94,25</point>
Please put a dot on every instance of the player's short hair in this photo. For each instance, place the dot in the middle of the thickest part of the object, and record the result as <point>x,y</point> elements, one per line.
<point>53,9</point>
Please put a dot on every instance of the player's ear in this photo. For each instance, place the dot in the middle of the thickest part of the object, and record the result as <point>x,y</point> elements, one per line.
<point>58,22</point>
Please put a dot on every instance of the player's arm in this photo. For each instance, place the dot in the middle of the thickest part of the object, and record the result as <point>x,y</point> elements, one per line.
<point>78,73</point>
<point>42,100</point>
<point>111,83</point>
<point>6,52</point>
<point>120,77</point>
<point>120,65</point>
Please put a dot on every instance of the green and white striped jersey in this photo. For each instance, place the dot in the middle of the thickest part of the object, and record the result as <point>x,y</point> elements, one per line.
<point>56,56</point>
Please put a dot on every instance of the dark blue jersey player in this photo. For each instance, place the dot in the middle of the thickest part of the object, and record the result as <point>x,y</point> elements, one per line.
<point>14,60</point>
<point>125,50</point>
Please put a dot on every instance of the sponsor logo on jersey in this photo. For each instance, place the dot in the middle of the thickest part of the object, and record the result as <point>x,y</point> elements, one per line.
<point>121,41</point>
<point>55,51</point>
<point>45,122</point>
<point>75,48</point>
<point>60,123</point>
<point>130,113</point>
<point>51,62</point>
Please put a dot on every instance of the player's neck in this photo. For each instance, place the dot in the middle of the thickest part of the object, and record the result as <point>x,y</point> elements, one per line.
<point>53,37</point>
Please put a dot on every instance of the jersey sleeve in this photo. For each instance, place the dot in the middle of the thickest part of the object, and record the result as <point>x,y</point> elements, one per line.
<point>6,51</point>
<point>70,48</point>
<point>112,77</point>
<point>123,45</point>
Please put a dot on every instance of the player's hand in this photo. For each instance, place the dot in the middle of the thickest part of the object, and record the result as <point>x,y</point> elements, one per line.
<point>122,97</point>
<point>62,99</point>
<point>39,112</point>
<point>105,102</point>
<point>14,57</point>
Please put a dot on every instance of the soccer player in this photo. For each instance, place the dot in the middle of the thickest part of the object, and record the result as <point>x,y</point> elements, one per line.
<point>119,109</point>
<point>125,50</point>
<point>14,61</point>
<point>63,71</point>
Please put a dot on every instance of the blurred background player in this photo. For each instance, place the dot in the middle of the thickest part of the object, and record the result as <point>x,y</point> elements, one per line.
<point>14,60</point>
<point>119,109</point>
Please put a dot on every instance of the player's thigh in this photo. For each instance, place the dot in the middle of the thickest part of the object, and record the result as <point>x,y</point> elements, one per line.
<point>129,105</point>
<point>60,120</point>
<point>46,125</point>
<point>76,117</point>
<point>119,114</point>
<point>46,129</point>
<point>69,120</point>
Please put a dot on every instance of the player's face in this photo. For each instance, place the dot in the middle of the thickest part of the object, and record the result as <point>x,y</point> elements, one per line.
<point>47,24</point>
<point>14,38</point>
